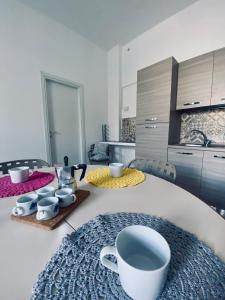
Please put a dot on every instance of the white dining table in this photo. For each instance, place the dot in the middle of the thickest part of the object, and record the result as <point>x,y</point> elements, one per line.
<point>24,249</point>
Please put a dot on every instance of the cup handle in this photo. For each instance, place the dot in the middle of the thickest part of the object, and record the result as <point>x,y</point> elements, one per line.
<point>106,262</point>
<point>74,197</point>
<point>41,215</point>
<point>17,211</point>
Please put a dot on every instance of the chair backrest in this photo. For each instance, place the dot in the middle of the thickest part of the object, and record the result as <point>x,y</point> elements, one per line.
<point>100,148</point>
<point>31,163</point>
<point>92,148</point>
<point>91,151</point>
<point>162,169</point>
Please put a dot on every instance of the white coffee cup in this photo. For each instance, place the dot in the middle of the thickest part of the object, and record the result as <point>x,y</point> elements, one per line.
<point>47,191</point>
<point>143,257</point>
<point>19,174</point>
<point>116,169</point>
<point>25,205</point>
<point>65,196</point>
<point>48,208</point>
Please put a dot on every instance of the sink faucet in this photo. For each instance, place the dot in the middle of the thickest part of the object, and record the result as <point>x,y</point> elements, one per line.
<point>206,140</point>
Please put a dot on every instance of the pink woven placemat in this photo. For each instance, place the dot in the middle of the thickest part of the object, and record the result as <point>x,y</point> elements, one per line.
<point>35,181</point>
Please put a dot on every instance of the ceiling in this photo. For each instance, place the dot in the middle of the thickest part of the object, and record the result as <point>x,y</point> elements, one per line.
<point>109,22</point>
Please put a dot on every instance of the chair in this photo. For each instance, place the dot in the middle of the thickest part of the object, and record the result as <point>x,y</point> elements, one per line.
<point>31,163</point>
<point>220,211</point>
<point>99,154</point>
<point>161,169</point>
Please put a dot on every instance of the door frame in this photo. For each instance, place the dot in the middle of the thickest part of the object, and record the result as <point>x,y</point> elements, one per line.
<point>80,95</point>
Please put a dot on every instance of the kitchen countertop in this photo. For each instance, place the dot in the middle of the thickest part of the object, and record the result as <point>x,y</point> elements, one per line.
<point>214,148</point>
<point>115,143</point>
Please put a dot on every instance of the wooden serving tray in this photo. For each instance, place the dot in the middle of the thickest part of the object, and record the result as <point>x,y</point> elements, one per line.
<point>63,213</point>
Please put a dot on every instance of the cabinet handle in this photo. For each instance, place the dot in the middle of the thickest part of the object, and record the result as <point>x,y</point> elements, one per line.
<point>191,103</point>
<point>151,126</point>
<point>185,153</point>
<point>218,156</point>
<point>151,119</point>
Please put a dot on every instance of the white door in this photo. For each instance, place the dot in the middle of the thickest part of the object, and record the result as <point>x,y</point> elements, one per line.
<point>64,122</point>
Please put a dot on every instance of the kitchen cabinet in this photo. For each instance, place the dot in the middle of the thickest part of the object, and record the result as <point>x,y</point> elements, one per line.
<point>218,84</point>
<point>201,172</point>
<point>195,82</point>
<point>188,164</point>
<point>154,92</point>
<point>156,98</point>
<point>213,179</point>
<point>152,141</point>
<point>151,106</point>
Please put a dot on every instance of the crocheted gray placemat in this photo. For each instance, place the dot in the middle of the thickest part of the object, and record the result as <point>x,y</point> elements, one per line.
<point>75,272</point>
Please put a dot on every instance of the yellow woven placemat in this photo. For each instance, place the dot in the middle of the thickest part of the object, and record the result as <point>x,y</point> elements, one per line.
<point>100,177</point>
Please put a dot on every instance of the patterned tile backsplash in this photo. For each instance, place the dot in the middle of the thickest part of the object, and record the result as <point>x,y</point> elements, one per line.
<point>128,130</point>
<point>211,122</point>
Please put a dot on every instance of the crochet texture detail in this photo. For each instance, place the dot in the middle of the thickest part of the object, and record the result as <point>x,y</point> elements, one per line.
<point>75,271</point>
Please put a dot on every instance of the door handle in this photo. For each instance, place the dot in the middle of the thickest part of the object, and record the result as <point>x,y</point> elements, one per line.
<point>52,133</point>
<point>185,153</point>
<point>151,126</point>
<point>191,103</point>
<point>151,119</point>
<point>218,156</point>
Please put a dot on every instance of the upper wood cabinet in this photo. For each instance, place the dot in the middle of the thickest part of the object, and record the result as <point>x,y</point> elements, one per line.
<point>195,82</point>
<point>218,84</point>
<point>156,119</point>
<point>154,92</point>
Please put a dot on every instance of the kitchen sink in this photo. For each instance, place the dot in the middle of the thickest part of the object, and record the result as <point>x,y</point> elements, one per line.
<point>191,145</point>
<point>216,145</point>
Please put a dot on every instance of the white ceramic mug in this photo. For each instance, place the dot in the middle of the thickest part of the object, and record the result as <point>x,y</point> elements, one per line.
<point>143,257</point>
<point>19,174</point>
<point>25,205</point>
<point>116,169</point>
<point>47,191</point>
<point>65,196</point>
<point>48,208</point>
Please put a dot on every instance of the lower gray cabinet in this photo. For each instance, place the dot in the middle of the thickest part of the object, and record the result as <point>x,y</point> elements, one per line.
<point>189,168</point>
<point>213,179</point>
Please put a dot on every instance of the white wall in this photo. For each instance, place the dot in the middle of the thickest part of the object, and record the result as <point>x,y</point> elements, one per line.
<point>196,30</point>
<point>114,92</point>
<point>31,43</point>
